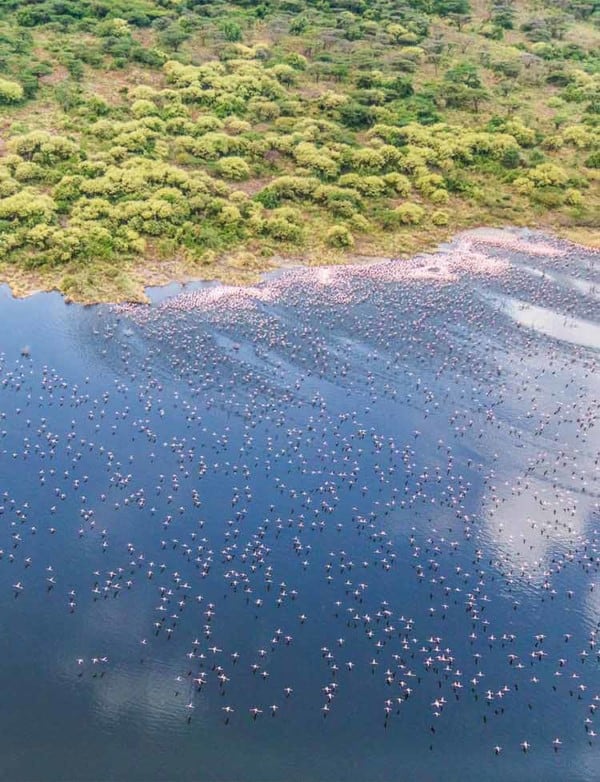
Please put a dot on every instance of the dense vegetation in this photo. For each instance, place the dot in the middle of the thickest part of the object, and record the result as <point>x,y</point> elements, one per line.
<point>208,136</point>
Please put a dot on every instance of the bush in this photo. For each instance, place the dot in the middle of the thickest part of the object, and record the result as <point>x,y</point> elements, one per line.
<point>235,125</point>
<point>143,108</point>
<point>339,236</point>
<point>317,159</point>
<point>27,206</point>
<point>284,74</point>
<point>281,229</point>
<point>231,30</point>
<point>409,213</point>
<point>439,196</point>
<point>548,175</point>
<point>42,147</point>
<point>10,91</point>
<point>28,172</point>
<point>331,100</point>
<point>548,197</point>
<point>367,160</point>
<point>234,168</point>
<point>356,116</point>
<point>440,217</point>
<point>593,161</point>
<point>295,188</point>
<point>399,182</point>
<point>580,137</point>
<point>573,197</point>
<point>269,198</point>
<point>263,110</point>
<point>360,223</point>
<point>511,158</point>
<point>230,215</point>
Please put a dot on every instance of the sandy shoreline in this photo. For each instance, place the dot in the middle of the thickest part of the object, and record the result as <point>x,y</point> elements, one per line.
<point>23,284</point>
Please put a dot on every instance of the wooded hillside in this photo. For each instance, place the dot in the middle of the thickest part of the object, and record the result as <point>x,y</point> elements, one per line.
<point>209,136</point>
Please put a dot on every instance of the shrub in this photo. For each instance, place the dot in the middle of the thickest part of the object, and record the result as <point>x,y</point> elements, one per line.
<point>332,194</point>
<point>439,196</point>
<point>234,168</point>
<point>236,125</point>
<point>28,172</point>
<point>41,147</point>
<point>317,159</point>
<point>525,136</point>
<point>409,213</point>
<point>593,161</point>
<point>440,217</point>
<point>296,188</point>
<point>360,223</point>
<point>429,183</point>
<point>263,110</point>
<point>8,187</point>
<point>511,158</point>
<point>339,236</point>
<point>331,100</point>
<point>231,30</point>
<point>548,175</point>
<point>229,215</point>
<point>573,197</point>
<point>143,108</point>
<point>398,182</point>
<point>580,137</point>
<point>368,160</point>
<point>27,206</point>
<point>548,197</point>
<point>281,229</point>
<point>296,60</point>
<point>10,91</point>
<point>284,73</point>
<point>373,186</point>
<point>354,115</point>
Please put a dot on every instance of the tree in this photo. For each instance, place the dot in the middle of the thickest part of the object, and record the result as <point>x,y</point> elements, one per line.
<point>285,74</point>
<point>447,7</point>
<point>463,87</point>
<point>355,115</point>
<point>460,20</point>
<point>231,30</point>
<point>434,49</point>
<point>503,14</point>
<point>173,36</point>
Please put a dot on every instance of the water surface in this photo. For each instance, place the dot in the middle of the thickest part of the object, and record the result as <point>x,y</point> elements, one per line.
<point>367,497</point>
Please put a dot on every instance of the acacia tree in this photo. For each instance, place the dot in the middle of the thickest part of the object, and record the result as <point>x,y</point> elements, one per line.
<point>463,87</point>
<point>434,50</point>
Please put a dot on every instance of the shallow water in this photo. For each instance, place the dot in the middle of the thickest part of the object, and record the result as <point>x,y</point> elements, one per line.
<point>378,486</point>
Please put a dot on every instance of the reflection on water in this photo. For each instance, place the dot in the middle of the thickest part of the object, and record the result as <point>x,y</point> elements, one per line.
<point>585,287</point>
<point>339,525</point>
<point>550,322</point>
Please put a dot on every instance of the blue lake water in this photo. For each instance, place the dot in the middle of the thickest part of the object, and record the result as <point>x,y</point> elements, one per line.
<point>368,497</point>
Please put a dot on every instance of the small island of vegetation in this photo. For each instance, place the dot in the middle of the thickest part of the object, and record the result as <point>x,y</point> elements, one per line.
<point>144,140</point>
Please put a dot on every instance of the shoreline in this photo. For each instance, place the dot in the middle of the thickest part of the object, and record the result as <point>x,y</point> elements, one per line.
<point>139,278</point>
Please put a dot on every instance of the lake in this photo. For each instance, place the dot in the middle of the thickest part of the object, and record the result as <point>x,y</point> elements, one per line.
<point>341,525</point>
